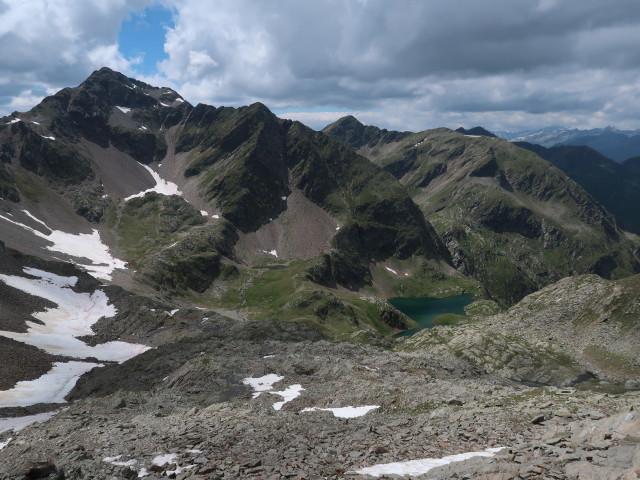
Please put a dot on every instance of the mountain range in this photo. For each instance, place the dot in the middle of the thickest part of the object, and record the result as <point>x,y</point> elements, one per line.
<point>164,266</point>
<point>508,217</point>
<point>618,145</point>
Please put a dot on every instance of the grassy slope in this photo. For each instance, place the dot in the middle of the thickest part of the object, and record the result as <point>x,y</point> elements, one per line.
<point>615,185</point>
<point>508,217</point>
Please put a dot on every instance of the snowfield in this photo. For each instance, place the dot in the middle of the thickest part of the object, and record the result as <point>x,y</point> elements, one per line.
<point>18,423</point>
<point>52,387</point>
<point>162,186</point>
<point>344,412</point>
<point>422,466</point>
<point>81,246</point>
<point>73,317</point>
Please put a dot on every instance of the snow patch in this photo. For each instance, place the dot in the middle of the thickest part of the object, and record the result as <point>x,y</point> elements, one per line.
<point>34,122</point>
<point>272,252</point>
<point>215,216</point>
<point>81,245</point>
<point>116,461</point>
<point>51,387</point>
<point>124,109</point>
<point>142,127</point>
<point>164,104</point>
<point>283,198</point>
<point>173,312</point>
<point>5,443</point>
<point>288,394</point>
<point>262,384</point>
<point>473,136</point>
<point>422,466</point>
<point>268,356</point>
<point>164,459</point>
<point>391,270</point>
<point>48,138</point>
<point>179,100</point>
<point>204,213</point>
<point>18,423</point>
<point>420,143</point>
<point>344,412</point>
<point>15,120</point>
<point>162,186</point>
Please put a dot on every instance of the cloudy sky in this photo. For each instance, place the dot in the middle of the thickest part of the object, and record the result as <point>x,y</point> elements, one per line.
<point>401,64</point>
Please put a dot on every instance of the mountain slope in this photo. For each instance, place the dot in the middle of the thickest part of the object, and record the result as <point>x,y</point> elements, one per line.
<point>508,217</point>
<point>615,185</point>
<point>204,200</point>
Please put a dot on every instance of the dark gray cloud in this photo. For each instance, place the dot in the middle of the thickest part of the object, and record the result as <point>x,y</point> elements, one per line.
<point>546,60</point>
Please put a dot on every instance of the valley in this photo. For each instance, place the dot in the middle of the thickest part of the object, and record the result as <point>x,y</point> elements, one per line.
<point>210,292</point>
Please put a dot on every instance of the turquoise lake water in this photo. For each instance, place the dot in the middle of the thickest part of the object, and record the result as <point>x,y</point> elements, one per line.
<point>425,310</point>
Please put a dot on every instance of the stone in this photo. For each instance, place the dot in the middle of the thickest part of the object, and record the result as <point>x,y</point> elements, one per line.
<point>32,470</point>
<point>537,420</point>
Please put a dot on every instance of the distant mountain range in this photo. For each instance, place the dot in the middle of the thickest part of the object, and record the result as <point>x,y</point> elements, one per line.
<point>618,145</point>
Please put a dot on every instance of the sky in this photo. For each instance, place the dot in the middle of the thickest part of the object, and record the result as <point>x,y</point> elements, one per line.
<point>507,65</point>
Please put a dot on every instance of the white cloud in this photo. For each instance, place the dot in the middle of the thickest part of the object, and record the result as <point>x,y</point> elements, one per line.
<point>53,44</point>
<point>25,100</point>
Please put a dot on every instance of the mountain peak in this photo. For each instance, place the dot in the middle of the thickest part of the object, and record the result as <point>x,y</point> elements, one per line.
<point>476,131</point>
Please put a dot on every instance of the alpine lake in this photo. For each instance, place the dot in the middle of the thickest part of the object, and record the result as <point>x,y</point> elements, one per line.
<point>429,312</point>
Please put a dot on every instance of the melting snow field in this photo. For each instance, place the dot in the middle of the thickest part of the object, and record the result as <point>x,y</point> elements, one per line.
<point>422,466</point>
<point>73,317</point>
<point>81,245</point>
<point>49,388</point>
<point>18,423</point>
<point>344,412</point>
<point>162,186</point>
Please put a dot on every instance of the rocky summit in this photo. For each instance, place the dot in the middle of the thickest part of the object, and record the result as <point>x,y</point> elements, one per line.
<point>200,292</point>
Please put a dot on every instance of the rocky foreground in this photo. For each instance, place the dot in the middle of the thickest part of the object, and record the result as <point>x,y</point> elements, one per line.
<point>190,413</point>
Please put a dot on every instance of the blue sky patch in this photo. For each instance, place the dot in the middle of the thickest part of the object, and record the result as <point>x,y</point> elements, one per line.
<point>143,34</point>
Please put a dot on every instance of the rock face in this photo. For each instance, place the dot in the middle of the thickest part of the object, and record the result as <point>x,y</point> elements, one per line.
<point>507,216</point>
